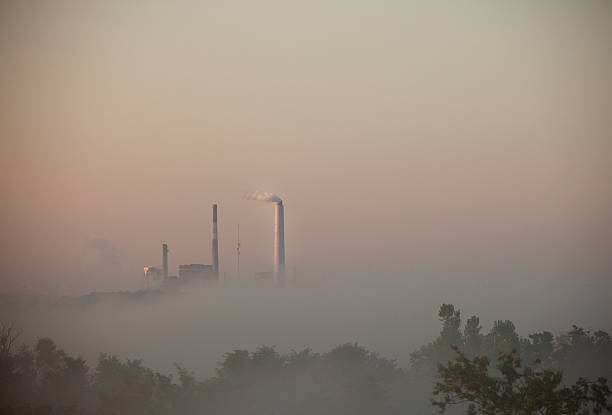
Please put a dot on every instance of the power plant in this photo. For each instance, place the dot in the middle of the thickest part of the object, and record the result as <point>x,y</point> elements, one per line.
<point>156,277</point>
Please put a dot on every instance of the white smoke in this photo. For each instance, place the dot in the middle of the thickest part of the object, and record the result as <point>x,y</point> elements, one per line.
<point>263,197</point>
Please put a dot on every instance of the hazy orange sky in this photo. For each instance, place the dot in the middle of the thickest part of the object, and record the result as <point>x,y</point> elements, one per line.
<point>476,135</point>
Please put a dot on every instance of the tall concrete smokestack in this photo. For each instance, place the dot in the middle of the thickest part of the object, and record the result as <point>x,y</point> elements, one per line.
<point>165,260</point>
<point>279,243</point>
<point>215,242</point>
<point>279,231</point>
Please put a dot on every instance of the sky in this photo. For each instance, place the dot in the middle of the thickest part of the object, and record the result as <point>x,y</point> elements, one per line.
<point>470,140</point>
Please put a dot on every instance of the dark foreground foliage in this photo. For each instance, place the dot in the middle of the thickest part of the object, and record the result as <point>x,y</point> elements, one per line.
<point>517,390</point>
<point>346,380</point>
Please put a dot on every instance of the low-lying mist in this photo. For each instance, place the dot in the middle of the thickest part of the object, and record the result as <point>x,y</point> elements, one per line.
<point>390,312</point>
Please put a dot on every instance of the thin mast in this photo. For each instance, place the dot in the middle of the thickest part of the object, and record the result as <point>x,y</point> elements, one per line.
<point>238,253</point>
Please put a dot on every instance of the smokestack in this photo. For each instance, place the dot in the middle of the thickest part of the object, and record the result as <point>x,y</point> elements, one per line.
<point>215,243</point>
<point>279,231</point>
<point>279,243</point>
<point>165,260</point>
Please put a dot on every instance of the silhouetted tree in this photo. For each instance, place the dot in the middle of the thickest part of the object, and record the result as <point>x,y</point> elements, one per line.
<point>128,387</point>
<point>540,346</point>
<point>9,377</point>
<point>503,336</point>
<point>519,390</point>
<point>425,360</point>
<point>472,336</point>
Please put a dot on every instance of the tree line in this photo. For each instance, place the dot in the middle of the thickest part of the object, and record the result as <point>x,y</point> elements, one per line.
<point>349,379</point>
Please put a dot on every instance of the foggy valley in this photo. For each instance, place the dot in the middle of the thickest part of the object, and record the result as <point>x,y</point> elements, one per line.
<point>323,207</point>
<point>392,314</point>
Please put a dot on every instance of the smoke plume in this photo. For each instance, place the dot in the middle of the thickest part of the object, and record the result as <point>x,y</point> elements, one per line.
<point>263,197</point>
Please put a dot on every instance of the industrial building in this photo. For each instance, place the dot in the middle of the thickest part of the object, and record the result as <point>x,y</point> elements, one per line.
<point>196,272</point>
<point>158,277</point>
<point>153,276</point>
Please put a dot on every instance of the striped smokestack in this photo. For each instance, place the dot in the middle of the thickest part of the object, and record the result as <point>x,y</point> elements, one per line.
<point>279,243</point>
<point>215,242</point>
<point>165,260</point>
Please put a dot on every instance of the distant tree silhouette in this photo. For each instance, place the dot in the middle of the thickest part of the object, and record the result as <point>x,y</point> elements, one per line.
<point>426,359</point>
<point>472,336</point>
<point>129,387</point>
